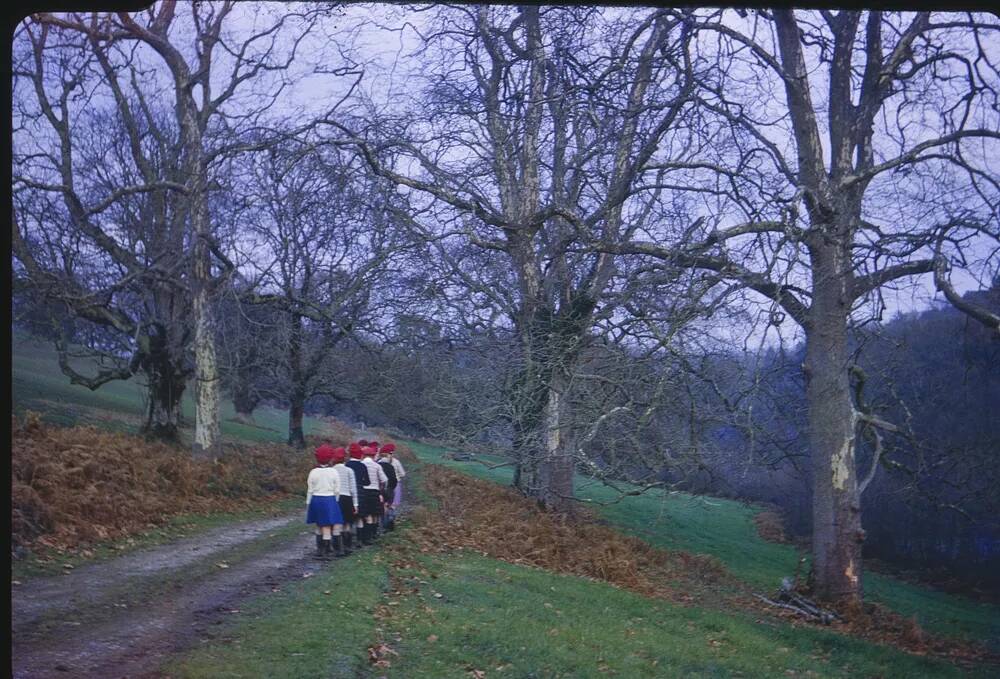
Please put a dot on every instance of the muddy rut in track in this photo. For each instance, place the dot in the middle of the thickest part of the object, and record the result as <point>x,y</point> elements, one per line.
<point>125,617</point>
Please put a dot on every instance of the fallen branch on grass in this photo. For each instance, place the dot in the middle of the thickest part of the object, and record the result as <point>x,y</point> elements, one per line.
<point>790,600</point>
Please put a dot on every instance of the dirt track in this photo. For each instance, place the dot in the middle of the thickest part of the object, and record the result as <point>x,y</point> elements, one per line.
<point>124,617</point>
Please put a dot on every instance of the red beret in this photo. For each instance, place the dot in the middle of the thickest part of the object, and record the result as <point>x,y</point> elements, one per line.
<point>355,450</point>
<point>362,442</point>
<point>373,443</point>
<point>339,454</point>
<point>324,454</point>
<point>369,451</point>
<point>389,447</point>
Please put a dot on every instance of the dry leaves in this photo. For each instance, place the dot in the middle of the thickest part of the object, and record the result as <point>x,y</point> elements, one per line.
<point>377,655</point>
<point>498,522</point>
<point>77,485</point>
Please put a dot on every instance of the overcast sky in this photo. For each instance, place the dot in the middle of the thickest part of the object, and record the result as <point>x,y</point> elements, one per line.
<point>378,39</point>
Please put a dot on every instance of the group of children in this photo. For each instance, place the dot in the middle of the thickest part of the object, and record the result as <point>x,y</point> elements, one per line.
<point>353,492</point>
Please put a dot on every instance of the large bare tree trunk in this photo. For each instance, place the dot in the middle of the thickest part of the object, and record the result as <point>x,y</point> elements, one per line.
<point>207,432</point>
<point>528,425</point>
<point>837,533</point>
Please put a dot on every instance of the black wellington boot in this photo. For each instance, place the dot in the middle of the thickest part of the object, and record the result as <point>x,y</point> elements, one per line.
<point>338,546</point>
<point>368,531</point>
<point>348,539</point>
<point>327,548</point>
<point>319,547</point>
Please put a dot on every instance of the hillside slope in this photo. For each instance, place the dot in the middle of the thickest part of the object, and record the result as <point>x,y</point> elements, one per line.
<point>434,610</point>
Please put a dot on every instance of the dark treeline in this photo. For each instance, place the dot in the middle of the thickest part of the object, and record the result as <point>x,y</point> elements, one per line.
<point>933,505</point>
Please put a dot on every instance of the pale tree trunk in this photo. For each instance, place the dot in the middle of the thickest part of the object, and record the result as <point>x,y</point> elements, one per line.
<point>207,433</point>
<point>559,459</point>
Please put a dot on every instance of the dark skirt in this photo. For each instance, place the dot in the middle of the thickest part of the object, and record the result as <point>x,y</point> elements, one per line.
<point>370,502</point>
<point>347,508</point>
<point>324,511</point>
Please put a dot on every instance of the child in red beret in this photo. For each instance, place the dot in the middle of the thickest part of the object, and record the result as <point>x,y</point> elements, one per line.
<point>388,452</point>
<point>348,501</point>
<point>322,491</point>
<point>371,495</point>
<point>361,478</point>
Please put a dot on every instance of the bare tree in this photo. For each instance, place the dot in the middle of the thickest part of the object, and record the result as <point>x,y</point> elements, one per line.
<point>208,68</point>
<point>99,226</point>
<point>549,130</point>
<point>322,245</point>
<point>891,172</point>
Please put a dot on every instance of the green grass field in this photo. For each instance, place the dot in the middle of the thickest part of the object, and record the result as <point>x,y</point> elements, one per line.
<point>38,384</point>
<point>492,615</point>
<point>725,529</point>
<point>514,621</point>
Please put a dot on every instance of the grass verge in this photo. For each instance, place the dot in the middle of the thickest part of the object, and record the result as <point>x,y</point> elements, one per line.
<point>318,627</point>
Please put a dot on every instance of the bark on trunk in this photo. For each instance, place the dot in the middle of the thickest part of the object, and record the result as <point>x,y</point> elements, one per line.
<point>166,387</point>
<point>558,488</point>
<point>528,446</point>
<point>295,412</point>
<point>207,432</point>
<point>298,378</point>
<point>837,533</point>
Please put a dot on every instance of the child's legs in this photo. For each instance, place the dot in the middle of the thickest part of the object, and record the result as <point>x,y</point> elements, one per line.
<point>325,530</point>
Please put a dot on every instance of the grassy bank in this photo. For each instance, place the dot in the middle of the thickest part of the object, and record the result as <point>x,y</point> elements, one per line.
<point>467,613</point>
<point>38,384</point>
<point>461,614</point>
<point>725,529</point>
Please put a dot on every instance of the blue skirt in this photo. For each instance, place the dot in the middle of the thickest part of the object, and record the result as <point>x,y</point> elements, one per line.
<point>324,511</point>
